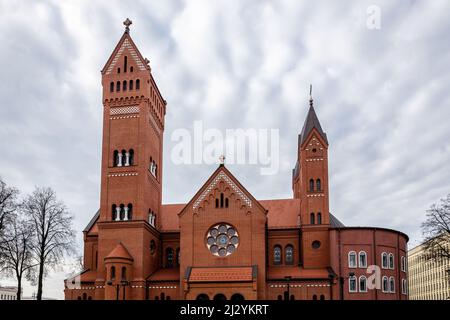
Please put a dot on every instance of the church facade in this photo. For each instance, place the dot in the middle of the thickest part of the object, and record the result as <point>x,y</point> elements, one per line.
<point>222,244</point>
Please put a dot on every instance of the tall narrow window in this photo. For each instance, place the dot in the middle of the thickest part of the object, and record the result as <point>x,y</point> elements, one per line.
<point>118,70</point>
<point>318,185</point>
<point>384,260</point>
<point>138,84</point>
<point>352,259</point>
<point>114,212</point>
<point>221,200</point>
<point>217,202</point>
<point>391,261</point>
<point>352,285</point>
<point>125,64</point>
<point>122,212</point>
<point>115,158</point>
<point>131,152</point>
<point>312,218</point>
<point>124,85</point>
<point>392,284</point>
<point>362,259</point>
<point>131,84</point>
<point>311,185</point>
<point>289,254</point>
<point>130,211</point>
<point>404,286</point>
<point>124,158</point>
<point>362,284</point>
<point>131,69</point>
<point>226,202</point>
<point>385,284</point>
<point>169,257</point>
<point>111,87</point>
<point>277,255</point>
<point>124,273</point>
<point>118,86</point>
<point>319,218</point>
<point>113,273</point>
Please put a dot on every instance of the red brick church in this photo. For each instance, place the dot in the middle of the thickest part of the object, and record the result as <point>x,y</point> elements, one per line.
<point>222,244</point>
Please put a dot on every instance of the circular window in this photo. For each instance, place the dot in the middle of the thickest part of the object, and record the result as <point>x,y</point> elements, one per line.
<point>222,240</point>
<point>316,244</point>
<point>314,150</point>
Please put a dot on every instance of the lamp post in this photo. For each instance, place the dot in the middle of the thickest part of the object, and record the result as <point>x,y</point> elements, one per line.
<point>288,279</point>
<point>110,283</point>
<point>342,280</point>
<point>124,283</point>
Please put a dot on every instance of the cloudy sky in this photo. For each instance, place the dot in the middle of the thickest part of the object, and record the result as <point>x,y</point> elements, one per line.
<point>381,94</point>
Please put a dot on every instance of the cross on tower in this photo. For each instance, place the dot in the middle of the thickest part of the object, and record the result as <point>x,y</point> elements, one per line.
<point>222,159</point>
<point>127,23</point>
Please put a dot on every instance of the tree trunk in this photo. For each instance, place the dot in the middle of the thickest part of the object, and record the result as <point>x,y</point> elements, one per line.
<point>40,279</point>
<point>19,288</point>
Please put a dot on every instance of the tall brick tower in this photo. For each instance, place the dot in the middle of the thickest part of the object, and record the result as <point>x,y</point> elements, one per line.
<point>131,179</point>
<point>310,185</point>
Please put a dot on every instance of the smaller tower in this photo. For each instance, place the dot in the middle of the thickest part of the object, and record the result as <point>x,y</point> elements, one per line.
<point>310,185</point>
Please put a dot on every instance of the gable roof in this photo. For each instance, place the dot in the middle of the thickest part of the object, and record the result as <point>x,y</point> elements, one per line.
<point>311,122</point>
<point>92,222</point>
<point>125,42</point>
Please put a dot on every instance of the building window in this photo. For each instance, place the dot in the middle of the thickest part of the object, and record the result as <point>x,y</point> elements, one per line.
<point>316,244</point>
<point>111,87</point>
<point>403,264</point>
<point>169,258</point>
<point>277,255</point>
<point>124,85</point>
<point>131,69</point>
<point>311,185</point>
<point>362,259</point>
<point>114,212</point>
<point>352,285</point>
<point>352,259</point>
<point>391,261</point>
<point>314,297</point>
<point>221,200</point>
<point>385,284</point>
<point>124,273</point>
<point>404,289</point>
<point>318,185</point>
<point>131,157</point>
<point>322,297</point>
<point>217,203</point>
<point>118,86</point>
<point>125,64</point>
<point>311,218</point>
<point>128,212</point>
<point>115,158</point>
<point>392,284</point>
<point>226,202</point>
<point>362,284</point>
<point>138,84</point>
<point>131,85</point>
<point>113,273</point>
<point>384,260</point>
<point>319,218</point>
<point>118,70</point>
<point>289,254</point>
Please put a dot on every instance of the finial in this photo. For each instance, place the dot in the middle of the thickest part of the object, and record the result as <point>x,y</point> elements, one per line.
<point>222,159</point>
<point>127,23</point>
<point>310,95</point>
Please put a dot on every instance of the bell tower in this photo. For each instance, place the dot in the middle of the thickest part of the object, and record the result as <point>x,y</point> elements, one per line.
<point>310,185</point>
<point>131,174</point>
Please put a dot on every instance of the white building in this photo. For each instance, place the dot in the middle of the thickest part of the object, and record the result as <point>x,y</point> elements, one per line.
<point>8,293</point>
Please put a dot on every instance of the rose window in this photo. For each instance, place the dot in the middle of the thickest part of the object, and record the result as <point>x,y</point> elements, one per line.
<point>222,240</point>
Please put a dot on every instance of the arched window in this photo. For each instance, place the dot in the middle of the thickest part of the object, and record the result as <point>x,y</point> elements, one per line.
<point>114,212</point>
<point>352,285</point>
<point>314,296</point>
<point>318,185</point>
<point>237,297</point>
<point>123,158</point>
<point>163,296</point>
<point>352,259</point>
<point>124,273</point>
<point>131,155</point>
<point>138,84</point>
<point>221,200</point>
<point>319,218</point>
<point>289,254</point>
<point>118,86</point>
<point>111,87</point>
<point>202,297</point>
<point>362,259</point>
<point>124,85</point>
<point>226,202</point>
<point>84,296</point>
<point>385,284</point>
<point>280,297</point>
<point>404,289</point>
<point>362,284</point>
<point>312,218</point>
<point>113,273</point>
<point>392,284</point>
<point>131,69</point>
<point>122,212</point>
<point>384,260</point>
<point>322,297</point>
<point>311,185</point>
<point>131,85</point>
<point>391,261</point>
<point>277,255</point>
<point>403,264</point>
<point>169,258</point>
<point>125,64</point>
<point>217,202</point>
<point>130,211</point>
<point>115,158</point>
<point>118,70</point>
<point>220,297</point>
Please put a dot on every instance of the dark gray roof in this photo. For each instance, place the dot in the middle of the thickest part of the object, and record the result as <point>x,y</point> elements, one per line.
<point>335,223</point>
<point>311,122</point>
<point>93,220</point>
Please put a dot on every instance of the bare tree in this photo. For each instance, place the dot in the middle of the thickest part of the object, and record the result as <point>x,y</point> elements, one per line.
<point>436,230</point>
<point>17,251</point>
<point>8,206</point>
<point>53,233</point>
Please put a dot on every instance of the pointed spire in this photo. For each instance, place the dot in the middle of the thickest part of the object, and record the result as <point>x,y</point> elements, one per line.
<point>127,23</point>
<point>311,122</point>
